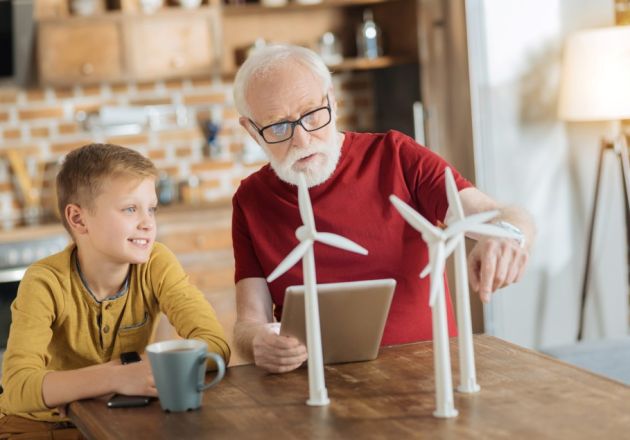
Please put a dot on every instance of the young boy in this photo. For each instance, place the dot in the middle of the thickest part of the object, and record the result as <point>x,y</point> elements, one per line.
<point>78,310</point>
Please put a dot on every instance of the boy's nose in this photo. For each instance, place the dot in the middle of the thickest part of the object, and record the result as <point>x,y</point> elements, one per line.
<point>147,223</point>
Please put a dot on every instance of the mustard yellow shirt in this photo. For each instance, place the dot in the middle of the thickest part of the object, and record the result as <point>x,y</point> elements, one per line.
<point>58,325</point>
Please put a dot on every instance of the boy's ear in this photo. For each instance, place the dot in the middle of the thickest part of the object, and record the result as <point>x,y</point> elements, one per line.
<point>74,218</point>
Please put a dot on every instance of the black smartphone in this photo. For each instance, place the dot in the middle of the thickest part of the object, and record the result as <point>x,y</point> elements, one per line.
<point>120,401</point>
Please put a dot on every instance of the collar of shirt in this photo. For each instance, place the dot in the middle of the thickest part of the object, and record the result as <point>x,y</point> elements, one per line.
<point>121,292</point>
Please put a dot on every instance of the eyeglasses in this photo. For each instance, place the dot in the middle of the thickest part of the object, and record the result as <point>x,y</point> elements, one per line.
<point>283,131</point>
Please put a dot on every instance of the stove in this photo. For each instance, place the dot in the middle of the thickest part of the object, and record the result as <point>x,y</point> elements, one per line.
<point>15,257</point>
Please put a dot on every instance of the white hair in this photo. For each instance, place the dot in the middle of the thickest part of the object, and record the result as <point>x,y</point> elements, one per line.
<point>268,59</point>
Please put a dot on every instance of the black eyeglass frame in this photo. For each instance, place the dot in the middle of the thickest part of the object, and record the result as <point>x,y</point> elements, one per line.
<point>295,123</point>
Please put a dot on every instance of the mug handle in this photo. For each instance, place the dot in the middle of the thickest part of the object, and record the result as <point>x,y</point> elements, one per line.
<point>218,360</point>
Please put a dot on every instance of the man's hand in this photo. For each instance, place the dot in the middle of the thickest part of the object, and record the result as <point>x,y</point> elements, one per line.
<point>495,263</point>
<point>275,353</point>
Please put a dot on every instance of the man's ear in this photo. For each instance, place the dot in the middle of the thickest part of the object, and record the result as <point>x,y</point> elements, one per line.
<point>74,217</point>
<point>247,125</point>
<point>332,99</point>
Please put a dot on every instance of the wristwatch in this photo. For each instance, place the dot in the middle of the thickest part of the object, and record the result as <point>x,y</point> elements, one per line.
<point>129,357</point>
<point>516,232</point>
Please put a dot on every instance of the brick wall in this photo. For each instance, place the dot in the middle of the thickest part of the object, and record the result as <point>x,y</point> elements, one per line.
<point>42,124</point>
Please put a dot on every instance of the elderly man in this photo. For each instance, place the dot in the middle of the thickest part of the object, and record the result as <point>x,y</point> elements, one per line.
<point>285,97</point>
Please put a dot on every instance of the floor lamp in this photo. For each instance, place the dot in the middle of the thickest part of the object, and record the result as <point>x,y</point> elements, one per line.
<point>595,86</point>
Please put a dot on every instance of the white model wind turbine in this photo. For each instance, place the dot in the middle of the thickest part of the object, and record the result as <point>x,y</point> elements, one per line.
<point>308,235</point>
<point>441,244</point>
<point>467,373</point>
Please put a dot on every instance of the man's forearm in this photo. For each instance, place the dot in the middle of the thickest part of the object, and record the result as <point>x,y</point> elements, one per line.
<point>475,201</point>
<point>520,218</point>
<point>244,332</point>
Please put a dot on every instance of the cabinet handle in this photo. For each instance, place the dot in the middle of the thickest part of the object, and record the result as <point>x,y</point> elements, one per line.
<point>87,69</point>
<point>177,62</point>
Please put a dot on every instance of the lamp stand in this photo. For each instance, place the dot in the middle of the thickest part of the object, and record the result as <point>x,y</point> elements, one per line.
<point>620,148</point>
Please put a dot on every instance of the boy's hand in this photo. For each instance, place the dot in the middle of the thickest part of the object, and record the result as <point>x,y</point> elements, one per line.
<point>275,353</point>
<point>135,379</point>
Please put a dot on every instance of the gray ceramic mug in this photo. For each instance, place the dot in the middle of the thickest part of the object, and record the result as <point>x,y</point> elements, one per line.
<point>179,369</point>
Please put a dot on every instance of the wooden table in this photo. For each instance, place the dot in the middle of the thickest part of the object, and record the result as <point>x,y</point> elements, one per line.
<point>523,394</point>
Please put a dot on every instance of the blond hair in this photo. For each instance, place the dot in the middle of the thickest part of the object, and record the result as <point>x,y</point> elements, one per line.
<point>85,169</point>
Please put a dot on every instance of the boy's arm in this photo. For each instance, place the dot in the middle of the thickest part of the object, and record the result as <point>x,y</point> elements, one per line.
<point>28,385</point>
<point>183,304</point>
<point>62,387</point>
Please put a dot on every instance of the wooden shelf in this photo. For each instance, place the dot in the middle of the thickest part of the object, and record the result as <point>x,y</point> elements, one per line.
<point>257,8</point>
<point>372,63</point>
<point>357,64</point>
<point>117,14</point>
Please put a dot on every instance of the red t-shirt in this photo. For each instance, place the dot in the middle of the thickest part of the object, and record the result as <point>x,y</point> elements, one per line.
<point>353,202</point>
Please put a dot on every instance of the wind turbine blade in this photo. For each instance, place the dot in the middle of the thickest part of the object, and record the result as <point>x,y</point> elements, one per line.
<point>437,273</point>
<point>290,260</point>
<point>468,222</point>
<point>492,230</point>
<point>416,220</point>
<point>338,241</point>
<point>425,271</point>
<point>452,194</point>
<point>452,244</point>
<point>304,203</point>
<point>448,250</point>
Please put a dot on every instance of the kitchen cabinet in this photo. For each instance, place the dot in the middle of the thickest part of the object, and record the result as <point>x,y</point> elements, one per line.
<point>127,46</point>
<point>71,52</point>
<point>214,38</point>
<point>171,45</point>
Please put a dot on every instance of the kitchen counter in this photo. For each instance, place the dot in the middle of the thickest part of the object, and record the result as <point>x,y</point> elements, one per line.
<point>177,216</point>
<point>34,232</point>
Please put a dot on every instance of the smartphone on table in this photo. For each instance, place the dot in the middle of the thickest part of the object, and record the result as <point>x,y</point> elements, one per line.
<point>121,401</point>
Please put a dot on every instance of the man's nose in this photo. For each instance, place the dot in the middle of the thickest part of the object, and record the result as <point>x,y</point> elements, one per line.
<point>301,138</point>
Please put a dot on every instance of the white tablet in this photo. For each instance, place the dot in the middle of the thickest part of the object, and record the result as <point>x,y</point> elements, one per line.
<point>352,317</point>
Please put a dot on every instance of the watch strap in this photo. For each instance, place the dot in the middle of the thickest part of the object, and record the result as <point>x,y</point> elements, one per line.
<point>518,234</point>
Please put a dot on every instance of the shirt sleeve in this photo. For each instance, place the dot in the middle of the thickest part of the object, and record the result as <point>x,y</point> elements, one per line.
<point>183,304</point>
<point>424,173</point>
<point>245,259</point>
<point>24,365</point>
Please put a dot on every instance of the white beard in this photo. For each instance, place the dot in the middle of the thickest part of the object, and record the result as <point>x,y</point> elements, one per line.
<point>315,174</point>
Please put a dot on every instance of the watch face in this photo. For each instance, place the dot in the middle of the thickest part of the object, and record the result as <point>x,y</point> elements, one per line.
<point>129,357</point>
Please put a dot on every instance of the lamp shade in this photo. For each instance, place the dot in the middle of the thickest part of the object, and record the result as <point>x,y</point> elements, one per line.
<point>595,81</point>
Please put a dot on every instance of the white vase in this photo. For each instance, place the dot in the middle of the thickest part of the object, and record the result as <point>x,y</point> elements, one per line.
<point>83,7</point>
<point>189,4</point>
<point>150,6</point>
<point>273,3</point>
